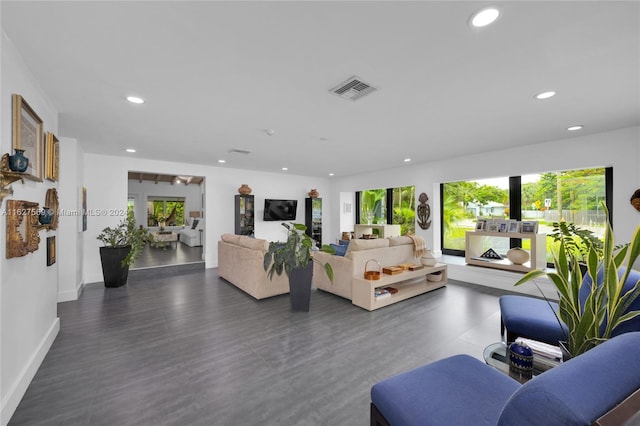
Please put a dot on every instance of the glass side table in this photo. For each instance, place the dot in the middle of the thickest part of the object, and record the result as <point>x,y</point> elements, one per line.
<point>497,356</point>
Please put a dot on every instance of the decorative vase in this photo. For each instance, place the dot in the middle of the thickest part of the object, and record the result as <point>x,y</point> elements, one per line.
<point>521,357</point>
<point>244,189</point>
<point>518,256</point>
<point>45,216</point>
<point>314,193</point>
<point>428,259</point>
<point>18,162</point>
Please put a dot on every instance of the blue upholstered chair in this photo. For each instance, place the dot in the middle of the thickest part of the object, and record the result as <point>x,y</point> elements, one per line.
<point>592,388</point>
<point>523,316</point>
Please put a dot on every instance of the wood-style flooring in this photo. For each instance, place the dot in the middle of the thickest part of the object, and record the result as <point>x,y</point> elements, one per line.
<point>174,253</point>
<point>192,349</point>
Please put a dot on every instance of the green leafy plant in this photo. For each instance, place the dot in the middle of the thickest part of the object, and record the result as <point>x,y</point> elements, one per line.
<point>577,241</point>
<point>591,322</point>
<point>294,253</point>
<point>125,234</point>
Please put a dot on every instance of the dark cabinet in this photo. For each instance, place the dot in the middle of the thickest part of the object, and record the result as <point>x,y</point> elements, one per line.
<point>244,216</point>
<point>313,219</point>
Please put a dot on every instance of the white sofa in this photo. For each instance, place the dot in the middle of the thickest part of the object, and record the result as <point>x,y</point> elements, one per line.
<point>190,235</point>
<point>387,251</point>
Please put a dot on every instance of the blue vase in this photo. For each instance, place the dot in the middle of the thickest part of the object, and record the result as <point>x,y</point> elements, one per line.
<point>521,357</point>
<point>45,216</point>
<point>18,162</point>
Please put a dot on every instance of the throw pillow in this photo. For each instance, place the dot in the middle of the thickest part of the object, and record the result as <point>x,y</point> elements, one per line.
<point>339,248</point>
<point>195,223</point>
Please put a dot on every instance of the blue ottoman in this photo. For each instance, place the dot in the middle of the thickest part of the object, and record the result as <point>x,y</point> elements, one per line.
<point>432,395</point>
<point>532,318</point>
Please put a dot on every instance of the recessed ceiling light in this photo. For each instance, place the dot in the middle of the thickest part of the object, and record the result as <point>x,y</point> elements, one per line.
<point>285,169</point>
<point>545,95</point>
<point>574,128</point>
<point>270,132</point>
<point>130,150</point>
<point>222,161</point>
<point>135,100</point>
<point>406,160</point>
<point>484,17</point>
<point>331,174</point>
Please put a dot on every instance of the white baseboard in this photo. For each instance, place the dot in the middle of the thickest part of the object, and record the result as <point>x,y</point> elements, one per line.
<point>17,390</point>
<point>67,296</point>
<point>500,279</point>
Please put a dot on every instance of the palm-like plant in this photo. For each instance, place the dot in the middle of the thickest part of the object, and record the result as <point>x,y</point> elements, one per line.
<point>591,320</point>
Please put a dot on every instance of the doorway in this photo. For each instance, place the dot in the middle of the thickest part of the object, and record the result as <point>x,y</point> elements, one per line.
<point>171,208</point>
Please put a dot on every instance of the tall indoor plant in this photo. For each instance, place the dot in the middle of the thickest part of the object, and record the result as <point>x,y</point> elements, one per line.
<point>591,318</point>
<point>294,257</point>
<point>122,246</point>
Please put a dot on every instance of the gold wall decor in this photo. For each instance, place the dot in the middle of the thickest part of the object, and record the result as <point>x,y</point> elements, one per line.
<point>51,161</point>
<point>22,228</point>
<point>51,201</point>
<point>27,135</point>
<point>7,177</point>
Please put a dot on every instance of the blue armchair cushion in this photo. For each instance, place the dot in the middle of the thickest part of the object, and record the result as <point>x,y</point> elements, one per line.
<point>459,390</point>
<point>580,390</point>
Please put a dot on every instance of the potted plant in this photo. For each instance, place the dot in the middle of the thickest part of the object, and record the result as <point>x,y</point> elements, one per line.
<point>122,246</point>
<point>295,259</point>
<point>592,315</point>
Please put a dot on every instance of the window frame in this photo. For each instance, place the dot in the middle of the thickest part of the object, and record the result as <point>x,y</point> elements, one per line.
<point>515,208</point>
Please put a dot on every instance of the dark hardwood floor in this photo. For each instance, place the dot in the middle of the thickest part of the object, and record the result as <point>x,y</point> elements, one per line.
<point>174,253</point>
<point>192,349</point>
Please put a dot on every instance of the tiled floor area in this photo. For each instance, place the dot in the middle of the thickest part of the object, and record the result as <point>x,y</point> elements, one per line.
<point>192,349</point>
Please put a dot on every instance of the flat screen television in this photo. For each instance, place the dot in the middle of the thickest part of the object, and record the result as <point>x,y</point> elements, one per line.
<point>280,209</point>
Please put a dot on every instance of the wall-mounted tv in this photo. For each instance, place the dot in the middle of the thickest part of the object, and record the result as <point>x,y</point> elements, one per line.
<point>280,209</point>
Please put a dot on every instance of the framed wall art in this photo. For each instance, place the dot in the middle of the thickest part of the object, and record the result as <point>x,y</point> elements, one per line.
<point>51,157</point>
<point>27,135</point>
<point>51,250</point>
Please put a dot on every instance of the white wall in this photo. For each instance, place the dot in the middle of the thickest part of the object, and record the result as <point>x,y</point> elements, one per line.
<point>619,149</point>
<point>69,239</point>
<point>28,287</point>
<point>107,189</point>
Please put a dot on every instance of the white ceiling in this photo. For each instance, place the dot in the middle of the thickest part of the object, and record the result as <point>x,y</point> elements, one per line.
<point>215,75</point>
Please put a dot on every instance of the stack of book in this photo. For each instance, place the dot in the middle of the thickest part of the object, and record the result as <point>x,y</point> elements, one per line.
<point>382,292</point>
<point>385,292</point>
<point>544,354</point>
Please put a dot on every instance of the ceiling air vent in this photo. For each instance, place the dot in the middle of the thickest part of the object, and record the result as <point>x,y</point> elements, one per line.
<point>239,151</point>
<point>353,89</point>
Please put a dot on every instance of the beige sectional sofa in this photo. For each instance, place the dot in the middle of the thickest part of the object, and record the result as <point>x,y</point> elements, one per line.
<point>240,261</point>
<point>387,251</point>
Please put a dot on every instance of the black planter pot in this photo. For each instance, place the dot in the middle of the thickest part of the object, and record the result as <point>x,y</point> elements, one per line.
<point>300,288</point>
<point>115,275</point>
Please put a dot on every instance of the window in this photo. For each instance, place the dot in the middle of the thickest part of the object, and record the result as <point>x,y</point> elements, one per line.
<point>572,195</point>
<point>388,205</point>
<point>165,210</point>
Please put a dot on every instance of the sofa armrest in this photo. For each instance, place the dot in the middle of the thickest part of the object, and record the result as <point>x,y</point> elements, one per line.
<point>342,274</point>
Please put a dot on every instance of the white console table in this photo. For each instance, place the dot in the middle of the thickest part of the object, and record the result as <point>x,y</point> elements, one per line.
<point>408,284</point>
<point>383,231</point>
<point>476,245</point>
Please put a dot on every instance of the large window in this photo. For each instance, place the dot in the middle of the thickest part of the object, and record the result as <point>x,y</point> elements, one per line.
<point>388,206</point>
<point>165,211</point>
<point>573,196</point>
